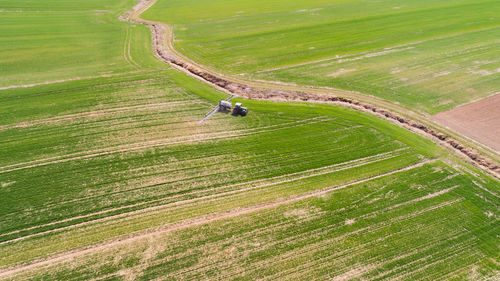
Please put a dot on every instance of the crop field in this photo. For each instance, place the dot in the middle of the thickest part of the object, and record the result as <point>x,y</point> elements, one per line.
<point>252,197</point>
<point>54,40</point>
<point>428,55</point>
<point>430,76</point>
<point>106,172</point>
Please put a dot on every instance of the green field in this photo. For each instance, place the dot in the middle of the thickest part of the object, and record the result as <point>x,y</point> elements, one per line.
<point>431,76</point>
<point>310,175</point>
<point>112,177</point>
<point>51,40</point>
<point>245,37</point>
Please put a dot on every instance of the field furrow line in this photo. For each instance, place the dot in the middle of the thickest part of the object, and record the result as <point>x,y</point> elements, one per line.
<point>325,243</point>
<point>375,50</point>
<point>436,259</point>
<point>224,186</point>
<point>430,243</point>
<point>68,80</point>
<point>100,113</point>
<point>203,220</point>
<point>161,142</point>
<point>485,189</point>
<point>318,246</point>
<point>427,247</point>
<point>252,185</point>
<point>210,246</point>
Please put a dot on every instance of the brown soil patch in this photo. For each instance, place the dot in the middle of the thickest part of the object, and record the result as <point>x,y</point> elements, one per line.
<point>479,120</point>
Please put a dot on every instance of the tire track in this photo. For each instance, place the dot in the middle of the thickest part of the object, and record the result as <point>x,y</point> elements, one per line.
<point>162,142</point>
<point>91,114</point>
<point>68,80</point>
<point>323,244</point>
<point>126,49</point>
<point>252,185</point>
<point>387,49</point>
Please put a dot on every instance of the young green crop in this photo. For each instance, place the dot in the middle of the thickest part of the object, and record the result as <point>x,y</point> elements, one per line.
<point>427,55</point>
<point>427,222</point>
<point>113,177</point>
<point>61,40</point>
<point>430,76</point>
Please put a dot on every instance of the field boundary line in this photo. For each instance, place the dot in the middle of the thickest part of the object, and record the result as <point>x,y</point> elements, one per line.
<point>164,49</point>
<point>203,220</point>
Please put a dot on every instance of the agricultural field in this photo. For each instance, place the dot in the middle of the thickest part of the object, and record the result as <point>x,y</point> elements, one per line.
<point>56,40</point>
<point>427,55</point>
<point>250,197</point>
<point>430,76</point>
<point>106,172</point>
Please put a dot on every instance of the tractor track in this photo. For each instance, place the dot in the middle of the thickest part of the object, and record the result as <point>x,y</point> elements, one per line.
<point>197,222</point>
<point>377,50</point>
<point>158,143</point>
<point>250,92</point>
<point>68,80</point>
<point>99,113</point>
<point>164,50</point>
<point>246,186</point>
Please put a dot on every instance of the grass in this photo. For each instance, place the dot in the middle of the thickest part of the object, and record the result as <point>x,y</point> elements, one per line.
<point>238,39</point>
<point>120,166</point>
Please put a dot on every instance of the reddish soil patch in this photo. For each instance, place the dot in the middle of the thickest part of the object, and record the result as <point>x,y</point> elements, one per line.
<point>479,120</point>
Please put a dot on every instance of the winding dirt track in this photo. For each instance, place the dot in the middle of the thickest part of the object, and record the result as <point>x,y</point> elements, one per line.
<point>163,48</point>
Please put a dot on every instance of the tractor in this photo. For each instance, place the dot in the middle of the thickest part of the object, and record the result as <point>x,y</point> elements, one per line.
<point>239,110</point>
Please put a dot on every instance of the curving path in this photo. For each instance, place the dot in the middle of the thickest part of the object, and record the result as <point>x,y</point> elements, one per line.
<point>263,90</point>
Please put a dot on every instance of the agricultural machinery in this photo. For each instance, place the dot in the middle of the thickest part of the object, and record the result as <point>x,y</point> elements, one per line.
<point>239,110</point>
<point>226,106</point>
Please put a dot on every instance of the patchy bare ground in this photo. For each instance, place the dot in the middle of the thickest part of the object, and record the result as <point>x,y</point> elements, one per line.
<point>479,120</point>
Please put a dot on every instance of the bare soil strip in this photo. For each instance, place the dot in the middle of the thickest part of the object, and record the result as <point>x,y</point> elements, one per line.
<point>164,50</point>
<point>199,221</point>
<point>478,120</point>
